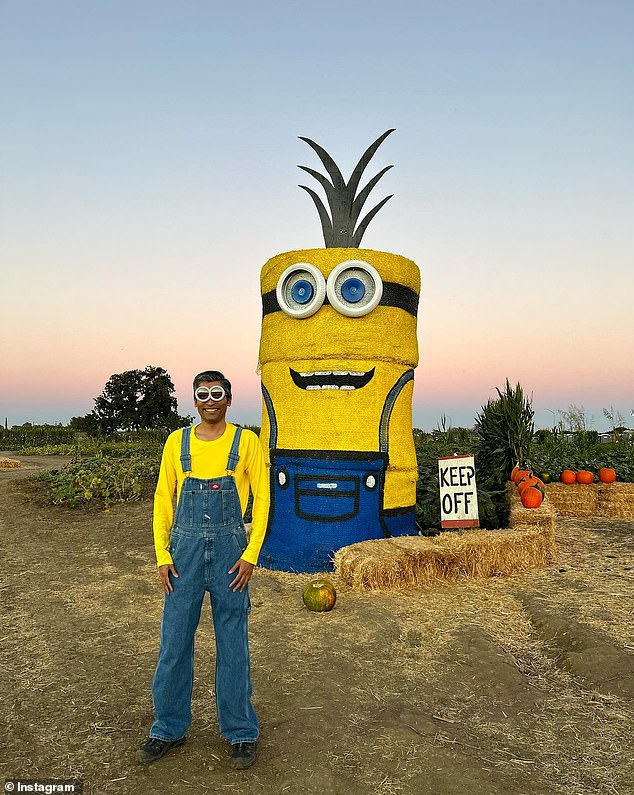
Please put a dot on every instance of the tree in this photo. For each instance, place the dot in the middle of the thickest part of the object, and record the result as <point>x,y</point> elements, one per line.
<point>138,399</point>
<point>87,424</point>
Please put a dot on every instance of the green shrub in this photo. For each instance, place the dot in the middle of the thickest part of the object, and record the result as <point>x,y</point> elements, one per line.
<point>553,456</point>
<point>104,480</point>
<point>505,431</point>
<point>429,448</point>
<point>26,437</point>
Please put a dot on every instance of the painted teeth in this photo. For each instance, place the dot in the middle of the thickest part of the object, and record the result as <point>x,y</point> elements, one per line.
<point>331,372</point>
<point>330,386</point>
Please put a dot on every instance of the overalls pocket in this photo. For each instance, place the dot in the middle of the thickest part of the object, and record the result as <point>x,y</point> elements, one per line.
<point>229,498</point>
<point>240,540</point>
<point>175,539</point>
<point>326,498</point>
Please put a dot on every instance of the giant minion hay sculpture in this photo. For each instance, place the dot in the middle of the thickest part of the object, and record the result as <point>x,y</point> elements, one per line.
<point>337,353</point>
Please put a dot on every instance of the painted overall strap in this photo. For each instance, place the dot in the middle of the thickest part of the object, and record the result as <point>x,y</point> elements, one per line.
<point>186,458</point>
<point>234,455</point>
<point>390,400</point>
<point>270,409</point>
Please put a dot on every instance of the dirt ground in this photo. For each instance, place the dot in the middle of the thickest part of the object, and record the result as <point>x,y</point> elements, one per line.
<point>518,686</point>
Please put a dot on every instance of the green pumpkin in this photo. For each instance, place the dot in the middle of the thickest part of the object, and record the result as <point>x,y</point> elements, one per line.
<point>319,595</point>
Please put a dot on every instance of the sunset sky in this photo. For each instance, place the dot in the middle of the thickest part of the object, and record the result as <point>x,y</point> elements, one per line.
<point>149,169</point>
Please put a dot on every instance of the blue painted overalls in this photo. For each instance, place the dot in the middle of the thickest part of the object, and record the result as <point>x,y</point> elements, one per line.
<point>322,500</point>
<point>207,538</point>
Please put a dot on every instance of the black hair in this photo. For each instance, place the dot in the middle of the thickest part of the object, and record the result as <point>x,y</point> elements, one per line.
<point>213,375</point>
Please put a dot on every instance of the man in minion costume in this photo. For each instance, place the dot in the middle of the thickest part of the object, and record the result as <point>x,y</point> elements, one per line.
<point>337,355</point>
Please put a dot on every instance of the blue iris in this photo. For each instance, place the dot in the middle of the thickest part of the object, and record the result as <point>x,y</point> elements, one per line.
<point>302,291</point>
<point>353,290</point>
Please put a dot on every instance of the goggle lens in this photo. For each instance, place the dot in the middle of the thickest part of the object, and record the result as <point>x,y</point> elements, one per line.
<point>205,393</point>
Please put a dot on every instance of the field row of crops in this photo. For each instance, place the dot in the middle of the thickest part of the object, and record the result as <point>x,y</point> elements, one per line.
<point>104,471</point>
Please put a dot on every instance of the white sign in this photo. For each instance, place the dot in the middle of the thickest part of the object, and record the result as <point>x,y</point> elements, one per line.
<point>458,492</point>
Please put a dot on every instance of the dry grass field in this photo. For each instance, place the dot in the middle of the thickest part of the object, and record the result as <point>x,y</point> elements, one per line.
<point>518,685</point>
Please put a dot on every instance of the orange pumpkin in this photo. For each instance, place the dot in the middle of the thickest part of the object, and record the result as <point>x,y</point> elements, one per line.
<point>518,473</point>
<point>568,476</point>
<point>522,475</point>
<point>531,483</point>
<point>532,497</point>
<point>607,475</point>
<point>585,477</point>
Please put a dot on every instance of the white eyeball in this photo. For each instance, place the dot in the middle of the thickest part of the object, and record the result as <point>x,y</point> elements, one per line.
<point>354,288</point>
<point>301,290</point>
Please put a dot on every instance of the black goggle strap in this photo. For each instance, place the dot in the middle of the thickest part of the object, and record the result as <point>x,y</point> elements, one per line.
<point>394,294</point>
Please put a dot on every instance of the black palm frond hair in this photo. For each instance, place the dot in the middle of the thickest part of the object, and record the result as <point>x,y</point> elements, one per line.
<point>340,228</point>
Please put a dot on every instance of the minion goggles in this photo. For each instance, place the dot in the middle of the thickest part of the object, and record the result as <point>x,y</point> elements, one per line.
<point>354,288</point>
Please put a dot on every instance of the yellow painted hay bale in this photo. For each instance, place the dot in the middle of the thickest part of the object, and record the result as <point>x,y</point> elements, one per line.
<point>414,560</point>
<point>616,500</point>
<point>577,500</point>
<point>9,463</point>
<point>544,516</point>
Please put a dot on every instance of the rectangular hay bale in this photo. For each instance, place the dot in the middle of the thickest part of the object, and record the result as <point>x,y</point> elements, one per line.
<point>9,463</point>
<point>615,500</point>
<point>544,516</point>
<point>575,500</point>
<point>408,561</point>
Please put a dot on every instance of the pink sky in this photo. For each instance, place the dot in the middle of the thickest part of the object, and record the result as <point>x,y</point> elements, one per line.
<point>55,373</point>
<point>151,170</point>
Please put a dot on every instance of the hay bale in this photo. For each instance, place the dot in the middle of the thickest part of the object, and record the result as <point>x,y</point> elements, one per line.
<point>408,561</point>
<point>615,500</point>
<point>576,500</point>
<point>544,516</point>
<point>9,463</point>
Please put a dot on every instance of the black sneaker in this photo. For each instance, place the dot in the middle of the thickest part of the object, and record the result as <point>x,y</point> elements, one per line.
<point>243,755</point>
<point>153,749</point>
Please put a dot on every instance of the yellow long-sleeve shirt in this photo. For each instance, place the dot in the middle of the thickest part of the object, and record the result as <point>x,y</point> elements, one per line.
<point>209,460</point>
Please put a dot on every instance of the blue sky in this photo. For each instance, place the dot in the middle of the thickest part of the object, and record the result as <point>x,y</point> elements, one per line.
<point>149,160</point>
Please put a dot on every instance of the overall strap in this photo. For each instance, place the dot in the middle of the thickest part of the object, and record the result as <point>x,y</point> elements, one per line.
<point>186,458</point>
<point>234,455</point>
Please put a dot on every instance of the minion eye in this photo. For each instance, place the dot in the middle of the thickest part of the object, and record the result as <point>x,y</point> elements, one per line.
<point>301,290</point>
<point>354,288</point>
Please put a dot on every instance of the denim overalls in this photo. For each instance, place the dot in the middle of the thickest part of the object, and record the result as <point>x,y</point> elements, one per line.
<point>207,538</point>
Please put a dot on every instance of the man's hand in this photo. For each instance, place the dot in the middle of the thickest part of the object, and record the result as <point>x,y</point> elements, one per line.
<point>241,580</point>
<point>164,574</point>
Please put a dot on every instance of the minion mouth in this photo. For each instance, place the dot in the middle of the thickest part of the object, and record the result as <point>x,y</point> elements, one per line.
<point>345,380</point>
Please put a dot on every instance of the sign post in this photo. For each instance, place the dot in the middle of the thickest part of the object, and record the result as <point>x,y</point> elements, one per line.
<point>458,492</point>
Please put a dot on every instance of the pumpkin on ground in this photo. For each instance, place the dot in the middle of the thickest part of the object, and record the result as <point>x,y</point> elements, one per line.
<point>546,477</point>
<point>607,475</point>
<point>568,476</point>
<point>319,595</point>
<point>585,477</point>
<point>532,497</point>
